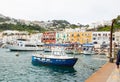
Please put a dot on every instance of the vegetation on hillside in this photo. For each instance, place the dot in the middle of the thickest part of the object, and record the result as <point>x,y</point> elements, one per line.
<point>116,26</point>
<point>4,19</point>
<point>103,28</point>
<point>55,25</point>
<point>21,27</point>
<point>60,23</point>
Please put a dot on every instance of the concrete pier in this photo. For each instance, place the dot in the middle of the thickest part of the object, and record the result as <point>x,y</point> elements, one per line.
<point>107,73</point>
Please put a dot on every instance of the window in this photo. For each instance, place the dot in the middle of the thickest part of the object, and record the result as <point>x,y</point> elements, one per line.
<point>94,38</point>
<point>99,34</point>
<point>104,34</point>
<point>78,35</point>
<point>94,34</point>
<point>72,35</point>
<point>67,35</point>
<point>113,38</point>
<point>30,45</point>
<point>58,35</point>
<point>95,42</point>
<point>117,39</point>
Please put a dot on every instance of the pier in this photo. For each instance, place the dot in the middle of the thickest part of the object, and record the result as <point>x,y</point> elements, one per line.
<point>107,73</point>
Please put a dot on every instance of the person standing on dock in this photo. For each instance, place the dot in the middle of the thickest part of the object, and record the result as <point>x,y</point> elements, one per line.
<point>118,59</point>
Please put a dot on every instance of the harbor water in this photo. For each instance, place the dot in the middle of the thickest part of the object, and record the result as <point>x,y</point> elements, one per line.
<point>17,67</point>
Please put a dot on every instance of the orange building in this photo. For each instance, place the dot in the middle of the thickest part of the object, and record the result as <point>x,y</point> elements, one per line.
<point>81,37</point>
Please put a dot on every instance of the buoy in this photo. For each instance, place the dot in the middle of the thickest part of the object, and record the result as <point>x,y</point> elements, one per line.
<point>17,54</point>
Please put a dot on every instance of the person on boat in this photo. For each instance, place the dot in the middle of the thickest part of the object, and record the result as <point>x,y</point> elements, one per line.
<point>118,59</point>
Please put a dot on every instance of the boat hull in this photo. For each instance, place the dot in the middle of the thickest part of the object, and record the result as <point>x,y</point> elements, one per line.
<point>88,53</point>
<point>19,48</point>
<point>54,61</point>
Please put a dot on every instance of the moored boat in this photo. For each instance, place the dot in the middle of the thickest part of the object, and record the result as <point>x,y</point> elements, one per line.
<point>88,49</point>
<point>57,58</point>
<point>69,51</point>
<point>24,45</point>
<point>77,52</point>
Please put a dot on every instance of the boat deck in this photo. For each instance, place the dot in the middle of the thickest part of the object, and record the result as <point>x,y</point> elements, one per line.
<point>53,56</point>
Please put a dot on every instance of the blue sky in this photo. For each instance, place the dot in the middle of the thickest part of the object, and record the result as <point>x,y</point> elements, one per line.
<point>74,11</point>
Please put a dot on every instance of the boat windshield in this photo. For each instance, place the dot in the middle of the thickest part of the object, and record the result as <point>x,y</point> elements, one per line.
<point>58,51</point>
<point>22,39</point>
<point>88,48</point>
<point>30,45</point>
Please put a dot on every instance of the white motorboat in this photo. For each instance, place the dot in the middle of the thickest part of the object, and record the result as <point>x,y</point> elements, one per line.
<point>24,45</point>
<point>88,49</point>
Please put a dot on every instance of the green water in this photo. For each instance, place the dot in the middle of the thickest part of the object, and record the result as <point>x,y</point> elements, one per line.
<point>20,68</point>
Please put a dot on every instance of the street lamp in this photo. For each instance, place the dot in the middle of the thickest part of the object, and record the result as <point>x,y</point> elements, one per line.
<point>111,32</point>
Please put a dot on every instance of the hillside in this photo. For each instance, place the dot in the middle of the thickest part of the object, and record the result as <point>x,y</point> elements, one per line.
<point>7,23</point>
<point>21,27</point>
<point>116,26</point>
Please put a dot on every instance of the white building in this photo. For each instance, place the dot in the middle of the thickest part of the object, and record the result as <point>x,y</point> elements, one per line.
<point>10,35</point>
<point>36,37</point>
<point>117,37</point>
<point>101,37</point>
<point>82,29</point>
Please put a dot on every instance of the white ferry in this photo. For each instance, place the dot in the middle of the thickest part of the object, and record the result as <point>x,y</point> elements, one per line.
<point>24,45</point>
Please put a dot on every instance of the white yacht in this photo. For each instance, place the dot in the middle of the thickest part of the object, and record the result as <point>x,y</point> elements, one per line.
<point>24,45</point>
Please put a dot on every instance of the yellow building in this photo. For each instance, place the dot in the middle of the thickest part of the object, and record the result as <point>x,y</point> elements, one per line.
<point>81,37</point>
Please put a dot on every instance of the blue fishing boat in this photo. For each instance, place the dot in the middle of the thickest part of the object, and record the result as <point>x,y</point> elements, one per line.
<point>57,58</point>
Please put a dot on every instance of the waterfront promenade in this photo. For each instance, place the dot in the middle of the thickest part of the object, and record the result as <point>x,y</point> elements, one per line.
<point>107,73</point>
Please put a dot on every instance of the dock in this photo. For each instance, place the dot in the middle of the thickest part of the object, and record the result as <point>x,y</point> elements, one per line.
<point>107,73</point>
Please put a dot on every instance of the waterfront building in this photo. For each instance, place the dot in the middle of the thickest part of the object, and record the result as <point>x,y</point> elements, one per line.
<point>14,32</point>
<point>86,37</point>
<point>81,37</point>
<point>68,30</point>
<point>101,23</point>
<point>101,37</point>
<point>61,37</point>
<point>117,38</point>
<point>10,35</point>
<point>74,37</point>
<point>36,37</point>
<point>82,29</point>
<point>49,37</point>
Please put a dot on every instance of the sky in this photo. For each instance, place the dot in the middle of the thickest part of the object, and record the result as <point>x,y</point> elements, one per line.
<point>74,11</point>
